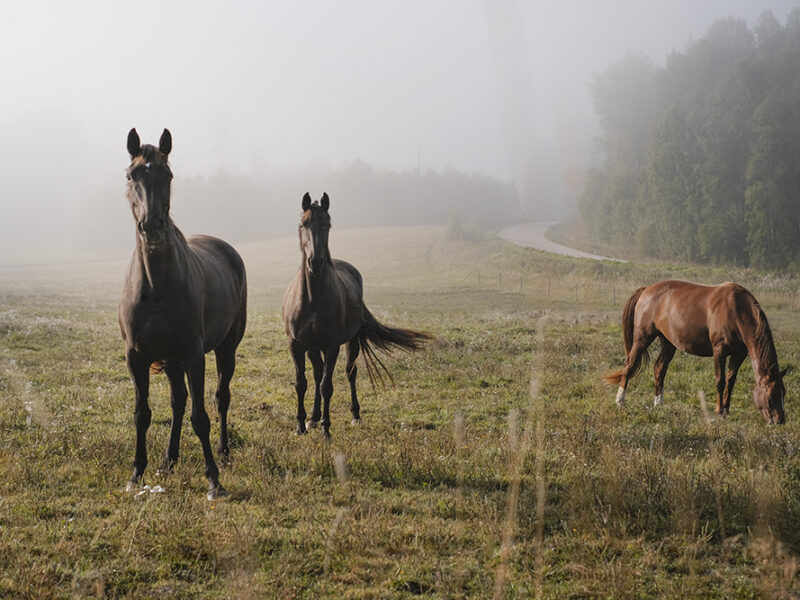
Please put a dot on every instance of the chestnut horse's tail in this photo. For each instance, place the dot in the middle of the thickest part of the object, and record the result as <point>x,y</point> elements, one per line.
<point>374,334</point>
<point>627,336</point>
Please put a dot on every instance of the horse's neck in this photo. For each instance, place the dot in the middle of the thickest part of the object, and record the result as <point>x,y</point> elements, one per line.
<point>759,371</point>
<point>762,352</point>
<point>314,285</point>
<point>162,267</point>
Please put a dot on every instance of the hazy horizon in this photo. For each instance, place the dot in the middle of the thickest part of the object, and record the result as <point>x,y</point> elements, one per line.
<point>497,88</point>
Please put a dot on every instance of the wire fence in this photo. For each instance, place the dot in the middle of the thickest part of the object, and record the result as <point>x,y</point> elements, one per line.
<point>582,290</point>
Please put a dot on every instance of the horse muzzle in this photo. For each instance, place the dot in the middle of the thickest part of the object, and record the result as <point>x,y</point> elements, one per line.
<point>774,417</point>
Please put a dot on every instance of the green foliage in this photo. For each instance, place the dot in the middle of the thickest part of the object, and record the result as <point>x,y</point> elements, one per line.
<point>712,170</point>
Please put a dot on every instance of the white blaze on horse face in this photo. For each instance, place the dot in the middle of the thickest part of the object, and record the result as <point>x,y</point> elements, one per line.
<point>620,396</point>
<point>659,399</point>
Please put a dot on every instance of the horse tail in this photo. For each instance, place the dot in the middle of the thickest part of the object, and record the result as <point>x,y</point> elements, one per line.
<point>375,335</point>
<point>627,337</point>
<point>157,367</point>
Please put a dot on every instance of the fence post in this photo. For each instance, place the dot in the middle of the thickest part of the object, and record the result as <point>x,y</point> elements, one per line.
<point>548,287</point>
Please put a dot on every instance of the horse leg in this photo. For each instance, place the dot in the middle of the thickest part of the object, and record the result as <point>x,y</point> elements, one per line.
<point>331,354</point>
<point>736,360</point>
<point>226,364</point>
<point>632,361</point>
<point>177,396</point>
<point>315,356</point>
<point>300,383</point>
<point>353,349</point>
<point>720,358</point>
<point>139,369</point>
<point>660,368</point>
<point>196,371</point>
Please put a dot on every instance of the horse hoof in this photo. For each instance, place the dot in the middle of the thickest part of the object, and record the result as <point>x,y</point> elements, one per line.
<point>326,435</point>
<point>658,400</point>
<point>300,430</point>
<point>311,424</point>
<point>131,486</point>
<point>166,468</point>
<point>217,492</point>
<point>356,421</point>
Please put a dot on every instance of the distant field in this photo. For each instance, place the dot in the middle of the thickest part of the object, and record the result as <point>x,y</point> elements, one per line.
<point>497,465</point>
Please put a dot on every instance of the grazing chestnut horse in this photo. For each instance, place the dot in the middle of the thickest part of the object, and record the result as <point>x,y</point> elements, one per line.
<point>324,308</point>
<point>724,321</point>
<point>182,298</point>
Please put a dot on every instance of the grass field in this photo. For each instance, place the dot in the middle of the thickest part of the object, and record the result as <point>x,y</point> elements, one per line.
<point>497,465</point>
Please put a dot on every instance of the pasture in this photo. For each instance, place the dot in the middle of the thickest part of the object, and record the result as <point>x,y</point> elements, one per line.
<point>497,465</point>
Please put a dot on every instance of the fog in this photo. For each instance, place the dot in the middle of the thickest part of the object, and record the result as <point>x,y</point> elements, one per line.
<point>298,91</point>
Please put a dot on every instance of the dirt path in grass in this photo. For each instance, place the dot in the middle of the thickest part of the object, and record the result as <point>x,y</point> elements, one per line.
<point>531,235</point>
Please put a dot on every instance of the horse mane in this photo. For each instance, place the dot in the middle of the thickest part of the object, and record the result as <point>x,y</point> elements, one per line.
<point>762,339</point>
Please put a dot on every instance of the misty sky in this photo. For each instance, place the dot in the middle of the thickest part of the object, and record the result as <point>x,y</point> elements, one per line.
<point>250,86</point>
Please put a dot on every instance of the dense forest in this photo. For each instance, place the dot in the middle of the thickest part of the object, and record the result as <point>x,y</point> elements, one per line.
<point>701,158</point>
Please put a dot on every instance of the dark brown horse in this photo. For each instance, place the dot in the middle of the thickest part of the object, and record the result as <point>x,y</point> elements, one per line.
<point>182,298</point>
<point>323,309</point>
<point>724,321</point>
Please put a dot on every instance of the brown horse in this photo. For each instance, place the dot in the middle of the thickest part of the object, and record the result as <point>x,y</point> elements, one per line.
<point>182,298</point>
<point>323,309</point>
<point>724,321</point>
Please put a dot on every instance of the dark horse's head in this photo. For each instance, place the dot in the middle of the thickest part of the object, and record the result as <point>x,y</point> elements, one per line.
<point>768,396</point>
<point>314,227</point>
<point>149,179</point>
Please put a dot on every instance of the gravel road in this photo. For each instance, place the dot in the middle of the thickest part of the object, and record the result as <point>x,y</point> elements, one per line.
<point>531,235</point>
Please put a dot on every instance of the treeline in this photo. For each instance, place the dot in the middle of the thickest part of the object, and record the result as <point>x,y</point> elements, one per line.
<point>241,207</point>
<point>249,207</point>
<point>701,158</point>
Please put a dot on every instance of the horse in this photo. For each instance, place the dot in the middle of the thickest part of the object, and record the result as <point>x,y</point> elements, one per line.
<point>324,308</point>
<point>724,321</point>
<point>182,298</point>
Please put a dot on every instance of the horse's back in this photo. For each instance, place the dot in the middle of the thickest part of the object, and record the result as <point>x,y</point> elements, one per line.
<point>217,256</point>
<point>692,316</point>
<point>349,274</point>
<point>224,289</point>
<point>679,297</point>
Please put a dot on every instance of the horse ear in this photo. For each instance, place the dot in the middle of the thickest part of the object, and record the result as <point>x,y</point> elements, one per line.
<point>785,371</point>
<point>165,143</point>
<point>306,202</point>
<point>134,144</point>
<point>325,202</point>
